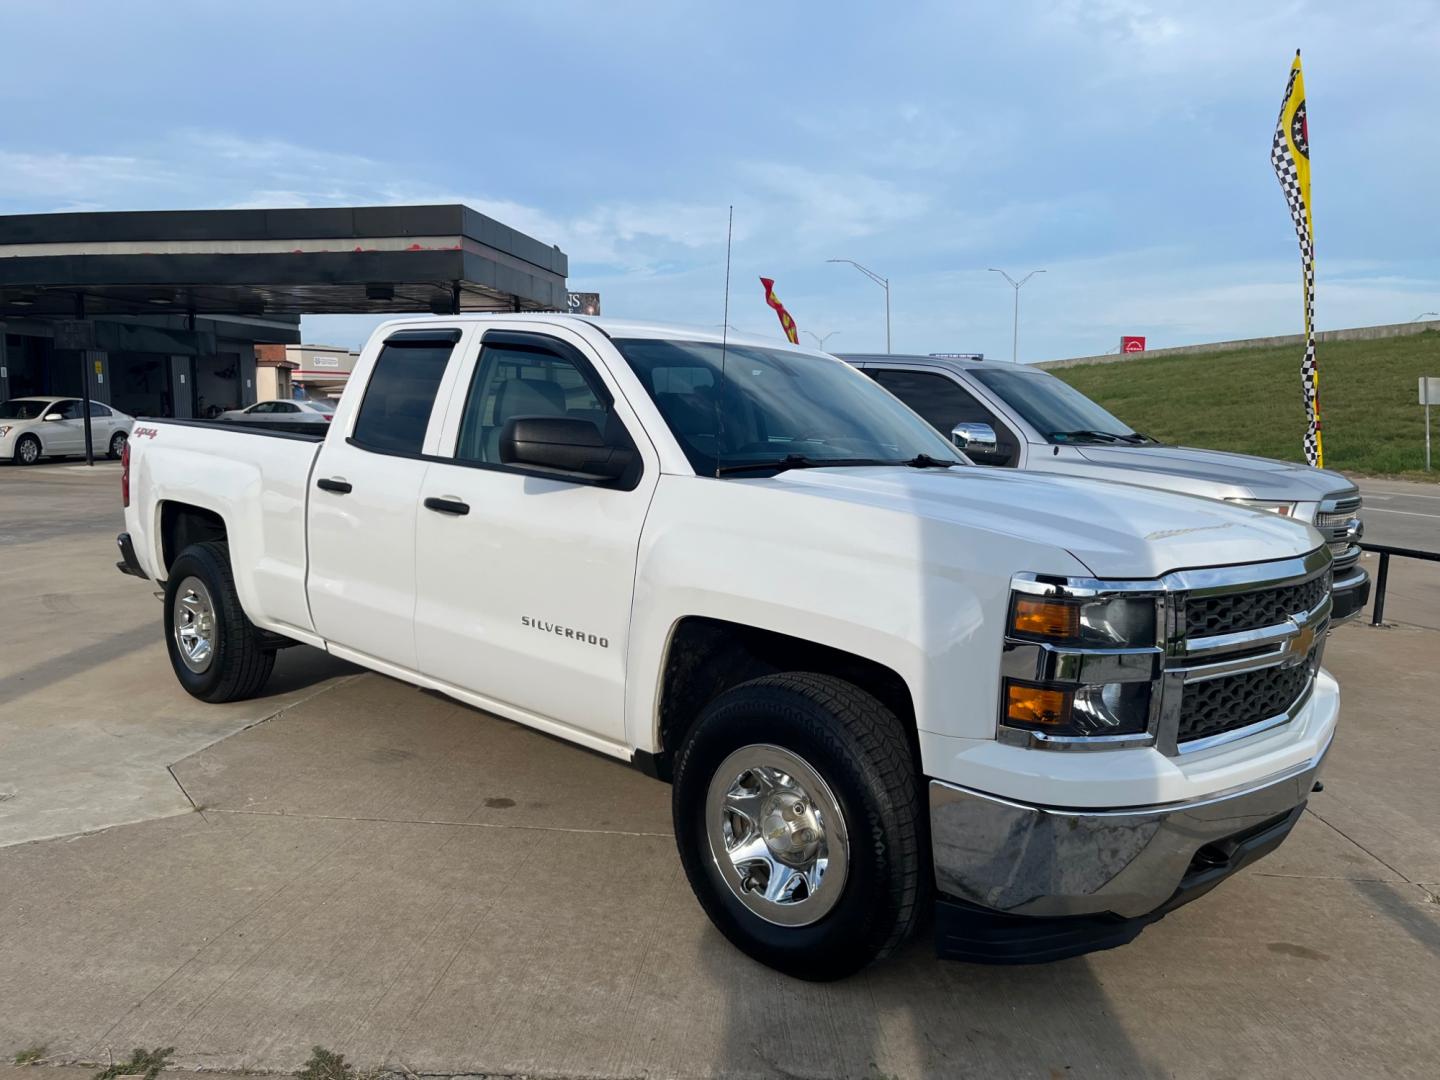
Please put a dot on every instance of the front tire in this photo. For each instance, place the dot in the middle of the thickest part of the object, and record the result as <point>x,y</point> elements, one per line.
<point>797,813</point>
<point>214,648</point>
<point>27,450</point>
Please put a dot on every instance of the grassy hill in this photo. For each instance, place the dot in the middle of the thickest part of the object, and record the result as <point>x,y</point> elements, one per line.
<point>1251,401</point>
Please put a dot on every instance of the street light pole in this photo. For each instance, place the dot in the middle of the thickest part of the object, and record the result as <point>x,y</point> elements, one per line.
<point>820,339</point>
<point>1015,327</point>
<point>883,282</point>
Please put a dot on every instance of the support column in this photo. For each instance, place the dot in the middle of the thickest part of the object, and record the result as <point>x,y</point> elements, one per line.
<point>4,367</point>
<point>100,383</point>
<point>182,394</point>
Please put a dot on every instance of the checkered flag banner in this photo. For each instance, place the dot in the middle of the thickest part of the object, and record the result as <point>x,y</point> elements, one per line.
<point>1290,154</point>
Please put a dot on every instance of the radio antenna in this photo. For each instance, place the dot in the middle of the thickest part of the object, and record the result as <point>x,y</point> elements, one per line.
<point>724,341</point>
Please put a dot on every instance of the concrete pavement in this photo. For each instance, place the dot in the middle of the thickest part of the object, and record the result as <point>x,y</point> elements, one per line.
<point>87,725</point>
<point>422,886</point>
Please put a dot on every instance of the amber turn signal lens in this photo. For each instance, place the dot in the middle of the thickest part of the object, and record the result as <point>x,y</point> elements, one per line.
<point>1034,705</point>
<point>1045,618</point>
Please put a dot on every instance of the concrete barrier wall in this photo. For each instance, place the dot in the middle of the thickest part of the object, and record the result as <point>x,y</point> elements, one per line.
<point>1357,333</point>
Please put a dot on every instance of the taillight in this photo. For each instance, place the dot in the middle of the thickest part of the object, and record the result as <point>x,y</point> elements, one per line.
<point>329,416</point>
<point>125,475</point>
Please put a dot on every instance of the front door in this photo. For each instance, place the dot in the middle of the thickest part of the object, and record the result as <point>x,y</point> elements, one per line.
<point>524,580</point>
<point>66,435</point>
<point>364,494</point>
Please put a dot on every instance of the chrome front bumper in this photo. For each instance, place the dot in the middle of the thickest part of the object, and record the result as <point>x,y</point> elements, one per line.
<point>1008,857</point>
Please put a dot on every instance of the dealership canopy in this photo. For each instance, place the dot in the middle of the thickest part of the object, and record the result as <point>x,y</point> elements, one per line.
<point>344,260</point>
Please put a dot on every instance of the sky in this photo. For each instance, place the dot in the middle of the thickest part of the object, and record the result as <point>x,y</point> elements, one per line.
<point>1120,145</point>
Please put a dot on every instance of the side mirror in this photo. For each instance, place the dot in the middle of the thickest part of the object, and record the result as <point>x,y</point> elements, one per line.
<point>52,416</point>
<point>974,438</point>
<point>565,444</point>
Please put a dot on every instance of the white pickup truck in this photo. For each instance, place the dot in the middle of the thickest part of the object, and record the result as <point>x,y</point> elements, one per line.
<point>878,678</point>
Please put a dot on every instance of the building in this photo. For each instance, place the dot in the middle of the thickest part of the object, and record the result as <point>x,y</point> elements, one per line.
<point>167,313</point>
<point>313,372</point>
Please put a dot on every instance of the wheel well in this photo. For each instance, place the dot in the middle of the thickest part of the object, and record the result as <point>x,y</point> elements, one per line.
<point>709,656</point>
<point>182,525</point>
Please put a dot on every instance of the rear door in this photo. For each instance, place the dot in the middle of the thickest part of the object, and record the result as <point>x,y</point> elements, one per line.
<point>364,495</point>
<point>102,423</point>
<point>524,580</point>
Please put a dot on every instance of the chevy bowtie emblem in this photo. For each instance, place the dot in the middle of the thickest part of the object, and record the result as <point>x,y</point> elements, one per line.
<point>1302,643</point>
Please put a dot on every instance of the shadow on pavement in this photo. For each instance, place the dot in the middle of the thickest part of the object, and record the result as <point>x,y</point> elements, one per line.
<point>64,665</point>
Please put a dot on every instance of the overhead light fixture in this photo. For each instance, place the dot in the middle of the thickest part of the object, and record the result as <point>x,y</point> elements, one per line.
<point>22,303</point>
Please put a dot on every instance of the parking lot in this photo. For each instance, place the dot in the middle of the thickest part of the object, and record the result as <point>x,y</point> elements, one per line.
<point>354,863</point>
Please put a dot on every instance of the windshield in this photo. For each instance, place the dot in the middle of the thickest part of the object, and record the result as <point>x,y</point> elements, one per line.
<point>774,405</point>
<point>22,408</point>
<point>1055,408</point>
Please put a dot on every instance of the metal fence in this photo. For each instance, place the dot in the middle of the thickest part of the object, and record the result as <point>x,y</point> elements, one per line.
<point>1382,576</point>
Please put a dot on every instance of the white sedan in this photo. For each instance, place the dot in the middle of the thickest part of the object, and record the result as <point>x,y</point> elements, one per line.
<point>296,412</point>
<point>36,427</point>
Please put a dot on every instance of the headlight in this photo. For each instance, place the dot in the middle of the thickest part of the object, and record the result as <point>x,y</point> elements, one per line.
<point>5,430</point>
<point>1078,711</point>
<point>1284,509</point>
<point>1079,670</point>
<point>1108,622</point>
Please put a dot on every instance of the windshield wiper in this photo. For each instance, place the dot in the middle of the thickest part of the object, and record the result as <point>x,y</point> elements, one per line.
<point>796,461</point>
<point>1083,433</point>
<point>925,461</point>
<point>1140,437</point>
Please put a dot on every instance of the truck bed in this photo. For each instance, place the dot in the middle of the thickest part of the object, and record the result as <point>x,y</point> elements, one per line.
<point>255,479</point>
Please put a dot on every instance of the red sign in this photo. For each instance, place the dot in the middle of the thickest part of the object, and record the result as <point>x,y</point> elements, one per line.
<point>1129,343</point>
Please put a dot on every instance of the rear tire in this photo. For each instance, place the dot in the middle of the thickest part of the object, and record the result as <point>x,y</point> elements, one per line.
<point>27,450</point>
<point>214,648</point>
<point>802,744</point>
<point>117,444</point>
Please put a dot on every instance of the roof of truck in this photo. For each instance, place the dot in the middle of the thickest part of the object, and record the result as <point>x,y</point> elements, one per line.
<point>958,363</point>
<point>613,327</point>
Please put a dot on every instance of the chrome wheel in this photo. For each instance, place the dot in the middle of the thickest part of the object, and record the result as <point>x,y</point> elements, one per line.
<point>194,619</point>
<point>117,444</point>
<point>777,835</point>
<point>29,451</point>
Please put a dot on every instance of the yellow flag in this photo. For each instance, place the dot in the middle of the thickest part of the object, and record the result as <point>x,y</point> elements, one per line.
<point>1290,154</point>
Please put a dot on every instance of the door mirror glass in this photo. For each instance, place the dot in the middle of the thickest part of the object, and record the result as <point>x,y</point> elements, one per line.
<point>565,444</point>
<point>974,438</point>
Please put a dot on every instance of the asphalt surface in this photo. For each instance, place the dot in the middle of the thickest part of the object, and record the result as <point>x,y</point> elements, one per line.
<point>1402,514</point>
<point>358,864</point>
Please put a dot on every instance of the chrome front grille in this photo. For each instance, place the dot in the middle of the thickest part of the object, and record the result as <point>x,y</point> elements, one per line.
<point>1218,706</point>
<point>1338,520</point>
<point>1243,652</point>
<point>1229,613</point>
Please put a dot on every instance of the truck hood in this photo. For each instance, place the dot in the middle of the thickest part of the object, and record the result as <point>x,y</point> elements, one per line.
<point>1209,472</point>
<point>1116,530</point>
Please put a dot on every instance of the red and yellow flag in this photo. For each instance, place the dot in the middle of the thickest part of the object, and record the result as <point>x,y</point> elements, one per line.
<point>786,322</point>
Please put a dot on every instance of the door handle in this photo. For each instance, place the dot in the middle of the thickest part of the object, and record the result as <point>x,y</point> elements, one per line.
<point>447,506</point>
<point>339,487</point>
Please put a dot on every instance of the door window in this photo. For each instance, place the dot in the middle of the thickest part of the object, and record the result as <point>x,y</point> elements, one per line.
<point>943,403</point>
<point>512,381</point>
<point>96,409</point>
<point>401,392</point>
<point>70,410</point>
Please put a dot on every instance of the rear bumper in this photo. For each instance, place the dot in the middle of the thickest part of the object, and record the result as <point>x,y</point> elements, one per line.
<point>1025,884</point>
<point>128,563</point>
<point>1351,592</point>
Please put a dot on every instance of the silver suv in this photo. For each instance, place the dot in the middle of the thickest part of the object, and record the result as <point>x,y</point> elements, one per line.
<point>1018,417</point>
